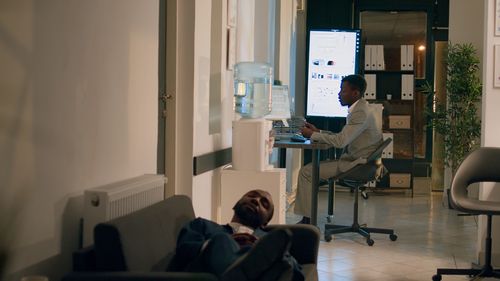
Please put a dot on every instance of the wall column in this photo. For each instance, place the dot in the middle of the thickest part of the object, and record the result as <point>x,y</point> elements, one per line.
<point>490,136</point>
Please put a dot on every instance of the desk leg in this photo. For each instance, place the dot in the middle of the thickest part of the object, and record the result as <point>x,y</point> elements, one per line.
<point>282,157</point>
<point>314,186</point>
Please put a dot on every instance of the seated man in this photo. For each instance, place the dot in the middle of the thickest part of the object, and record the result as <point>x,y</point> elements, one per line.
<point>240,250</point>
<point>359,138</point>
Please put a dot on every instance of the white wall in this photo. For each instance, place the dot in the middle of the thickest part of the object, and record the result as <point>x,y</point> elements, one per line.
<point>462,31</point>
<point>467,31</point>
<point>481,35</point>
<point>292,43</point>
<point>264,47</point>
<point>490,135</point>
<point>213,81</point>
<point>78,89</point>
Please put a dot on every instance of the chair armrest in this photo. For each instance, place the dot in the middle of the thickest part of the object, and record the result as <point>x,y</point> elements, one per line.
<point>84,259</point>
<point>138,276</point>
<point>305,241</point>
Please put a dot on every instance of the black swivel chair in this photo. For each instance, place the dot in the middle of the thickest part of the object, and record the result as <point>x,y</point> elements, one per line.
<point>367,170</point>
<point>479,166</point>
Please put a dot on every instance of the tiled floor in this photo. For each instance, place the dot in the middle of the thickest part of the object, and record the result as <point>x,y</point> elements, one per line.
<point>430,236</point>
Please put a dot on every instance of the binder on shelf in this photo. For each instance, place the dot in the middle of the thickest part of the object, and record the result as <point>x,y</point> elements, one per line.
<point>380,57</point>
<point>368,58</point>
<point>371,86</point>
<point>377,110</point>
<point>407,87</point>
<point>388,150</point>
<point>373,61</point>
<point>404,62</point>
<point>409,56</point>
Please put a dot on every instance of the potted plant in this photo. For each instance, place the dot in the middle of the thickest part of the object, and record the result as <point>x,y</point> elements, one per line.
<point>457,119</point>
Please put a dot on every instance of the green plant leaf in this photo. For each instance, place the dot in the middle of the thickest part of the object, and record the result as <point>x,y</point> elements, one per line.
<point>458,120</point>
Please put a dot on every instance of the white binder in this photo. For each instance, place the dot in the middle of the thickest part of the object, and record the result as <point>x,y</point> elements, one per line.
<point>388,150</point>
<point>368,58</point>
<point>409,56</point>
<point>373,61</point>
<point>380,57</point>
<point>407,86</point>
<point>404,62</point>
<point>371,87</point>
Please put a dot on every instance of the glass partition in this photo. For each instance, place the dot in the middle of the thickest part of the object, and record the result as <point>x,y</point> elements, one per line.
<point>393,29</point>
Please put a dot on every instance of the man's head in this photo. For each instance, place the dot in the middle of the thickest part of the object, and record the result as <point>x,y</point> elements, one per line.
<point>255,209</point>
<point>352,89</point>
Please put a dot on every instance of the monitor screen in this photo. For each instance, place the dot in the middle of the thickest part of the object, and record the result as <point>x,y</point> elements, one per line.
<point>332,55</point>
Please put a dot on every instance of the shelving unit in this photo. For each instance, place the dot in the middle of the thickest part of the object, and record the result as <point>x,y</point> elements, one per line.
<point>397,122</point>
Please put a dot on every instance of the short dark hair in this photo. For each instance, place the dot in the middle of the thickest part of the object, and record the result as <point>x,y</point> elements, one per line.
<point>356,81</point>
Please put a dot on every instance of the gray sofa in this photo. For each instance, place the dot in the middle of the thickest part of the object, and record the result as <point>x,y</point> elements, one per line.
<point>141,246</point>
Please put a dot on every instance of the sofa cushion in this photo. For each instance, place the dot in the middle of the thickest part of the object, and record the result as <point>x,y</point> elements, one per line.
<point>144,240</point>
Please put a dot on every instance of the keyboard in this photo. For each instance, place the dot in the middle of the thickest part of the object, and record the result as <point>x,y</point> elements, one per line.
<point>298,138</point>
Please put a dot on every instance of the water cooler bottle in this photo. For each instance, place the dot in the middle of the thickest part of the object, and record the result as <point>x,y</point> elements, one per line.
<point>251,143</point>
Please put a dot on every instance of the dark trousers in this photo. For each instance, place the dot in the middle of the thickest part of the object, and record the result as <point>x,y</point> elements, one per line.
<point>220,252</point>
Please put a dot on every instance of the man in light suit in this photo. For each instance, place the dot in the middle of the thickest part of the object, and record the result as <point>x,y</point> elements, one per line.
<point>359,138</point>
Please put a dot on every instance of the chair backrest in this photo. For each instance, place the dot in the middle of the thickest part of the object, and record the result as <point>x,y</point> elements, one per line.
<point>368,169</point>
<point>480,165</point>
<point>377,154</point>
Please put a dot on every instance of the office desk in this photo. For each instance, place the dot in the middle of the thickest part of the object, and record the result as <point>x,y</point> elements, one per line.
<point>316,147</point>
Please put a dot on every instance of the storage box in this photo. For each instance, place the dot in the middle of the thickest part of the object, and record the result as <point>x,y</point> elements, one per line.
<point>399,122</point>
<point>400,180</point>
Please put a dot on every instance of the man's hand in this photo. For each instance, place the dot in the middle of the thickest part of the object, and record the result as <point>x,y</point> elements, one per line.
<point>308,130</point>
<point>311,126</point>
<point>245,239</point>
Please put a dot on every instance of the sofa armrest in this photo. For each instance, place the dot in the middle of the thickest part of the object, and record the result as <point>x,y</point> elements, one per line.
<point>84,259</point>
<point>305,241</point>
<point>139,276</point>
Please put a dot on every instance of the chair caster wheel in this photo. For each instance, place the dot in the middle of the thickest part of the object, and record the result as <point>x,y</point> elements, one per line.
<point>370,241</point>
<point>393,237</point>
<point>364,195</point>
<point>436,277</point>
<point>328,237</point>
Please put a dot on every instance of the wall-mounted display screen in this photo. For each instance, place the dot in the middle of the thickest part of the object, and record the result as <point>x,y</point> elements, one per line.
<point>332,55</point>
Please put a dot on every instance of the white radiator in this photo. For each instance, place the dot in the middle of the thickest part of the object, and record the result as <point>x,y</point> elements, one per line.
<point>117,199</point>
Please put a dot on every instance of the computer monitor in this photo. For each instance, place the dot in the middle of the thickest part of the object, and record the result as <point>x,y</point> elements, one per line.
<point>332,55</point>
<point>280,105</point>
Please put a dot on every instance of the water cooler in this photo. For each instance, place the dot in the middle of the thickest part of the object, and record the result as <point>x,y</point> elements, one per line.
<point>251,143</point>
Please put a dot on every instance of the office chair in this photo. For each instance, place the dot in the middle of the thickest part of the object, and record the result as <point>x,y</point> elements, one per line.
<point>479,166</point>
<point>367,170</point>
<point>330,182</point>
